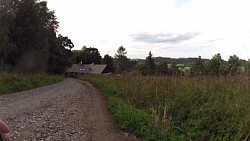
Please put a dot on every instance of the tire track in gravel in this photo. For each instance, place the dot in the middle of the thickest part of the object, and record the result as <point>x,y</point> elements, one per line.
<point>72,110</point>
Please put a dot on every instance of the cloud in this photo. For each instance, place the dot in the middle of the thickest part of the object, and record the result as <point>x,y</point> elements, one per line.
<point>215,40</point>
<point>179,3</point>
<point>170,38</point>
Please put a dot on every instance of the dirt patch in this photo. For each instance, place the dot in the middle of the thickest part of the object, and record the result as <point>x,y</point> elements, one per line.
<point>103,130</point>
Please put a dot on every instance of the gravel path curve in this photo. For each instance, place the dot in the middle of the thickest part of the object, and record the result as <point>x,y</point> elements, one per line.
<point>72,110</point>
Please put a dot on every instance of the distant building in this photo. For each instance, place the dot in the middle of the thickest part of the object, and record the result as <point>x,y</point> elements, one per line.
<point>88,69</point>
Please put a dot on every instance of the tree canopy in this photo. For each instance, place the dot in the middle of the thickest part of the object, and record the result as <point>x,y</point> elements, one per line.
<point>121,60</point>
<point>87,55</point>
<point>29,40</point>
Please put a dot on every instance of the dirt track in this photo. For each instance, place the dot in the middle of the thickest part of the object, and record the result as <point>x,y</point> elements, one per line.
<point>72,110</point>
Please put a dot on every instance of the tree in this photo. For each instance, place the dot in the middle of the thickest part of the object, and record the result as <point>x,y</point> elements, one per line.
<point>88,56</point>
<point>33,25</point>
<point>65,42</point>
<point>140,66</point>
<point>214,64</point>
<point>28,38</point>
<point>224,68</point>
<point>174,70</point>
<point>29,28</point>
<point>150,64</point>
<point>121,60</point>
<point>234,64</point>
<point>8,10</point>
<point>247,67</point>
<point>109,61</point>
<point>60,55</point>
<point>198,67</point>
<point>162,68</point>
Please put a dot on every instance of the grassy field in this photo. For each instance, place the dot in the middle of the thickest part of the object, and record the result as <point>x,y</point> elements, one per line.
<point>173,108</point>
<point>15,82</point>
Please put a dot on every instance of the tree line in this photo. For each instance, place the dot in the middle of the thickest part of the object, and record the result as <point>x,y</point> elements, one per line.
<point>217,66</point>
<point>149,66</point>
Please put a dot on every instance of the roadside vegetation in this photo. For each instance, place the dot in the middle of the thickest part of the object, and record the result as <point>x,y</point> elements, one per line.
<point>178,108</point>
<point>15,82</point>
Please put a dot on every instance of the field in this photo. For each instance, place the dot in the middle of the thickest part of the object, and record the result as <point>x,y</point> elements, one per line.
<point>178,108</point>
<point>15,82</point>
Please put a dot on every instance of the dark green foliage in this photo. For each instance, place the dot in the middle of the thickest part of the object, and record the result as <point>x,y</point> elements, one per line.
<point>214,64</point>
<point>121,61</point>
<point>162,68</point>
<point>60,57</point>
<point>7,20</point>
<point>198,66</point>
<point>234,65</point>
<point>150,64</point>
<point>224,68</point>
<point>109,61</point>
<point>31,35</point>
<point>28,37</point>
<point>185,61</point>
<point>87,56</point>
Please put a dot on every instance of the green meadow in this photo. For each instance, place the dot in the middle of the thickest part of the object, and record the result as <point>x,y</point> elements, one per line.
<point>178,108</point>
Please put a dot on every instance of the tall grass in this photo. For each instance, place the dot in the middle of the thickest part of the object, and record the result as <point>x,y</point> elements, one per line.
<point>14,82</point>
<point>173,108</point>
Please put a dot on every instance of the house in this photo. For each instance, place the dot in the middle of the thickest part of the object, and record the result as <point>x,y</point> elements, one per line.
<point>88,69</point>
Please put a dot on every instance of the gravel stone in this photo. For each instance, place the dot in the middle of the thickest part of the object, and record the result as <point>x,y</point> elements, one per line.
<point>72,110</point>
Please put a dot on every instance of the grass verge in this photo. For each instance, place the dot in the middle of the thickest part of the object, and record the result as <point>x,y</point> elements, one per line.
<point>15,82</point>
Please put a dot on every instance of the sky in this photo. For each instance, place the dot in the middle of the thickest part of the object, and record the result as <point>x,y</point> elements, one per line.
<point>167,28</point>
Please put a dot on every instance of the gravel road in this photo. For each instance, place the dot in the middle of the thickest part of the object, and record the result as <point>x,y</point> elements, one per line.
<point>72,110</point>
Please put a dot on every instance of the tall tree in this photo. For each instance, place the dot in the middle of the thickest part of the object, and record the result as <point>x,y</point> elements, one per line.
<point>8,10</point>
<point>214,64</point>
<point>224,68</point>
<point>87,56</point>
<point>65,42</point>
<point>60,55</point>
<point>121,60</point>
<point>91,55</point>
<point>198,66</point>
<point>28,38</point>
<point>33,25</point>
<point>162,68</point>
<point>234,64</point>
<point>150,63</point>
<point>109,61</point>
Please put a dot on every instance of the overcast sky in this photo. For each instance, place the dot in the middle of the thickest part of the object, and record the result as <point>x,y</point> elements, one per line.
<point>167,28</point>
